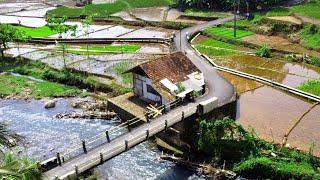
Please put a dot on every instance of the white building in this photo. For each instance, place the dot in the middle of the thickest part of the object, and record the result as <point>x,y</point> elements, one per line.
<point>163,80</point>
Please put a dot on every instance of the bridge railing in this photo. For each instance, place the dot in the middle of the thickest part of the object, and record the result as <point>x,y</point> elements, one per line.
<point>124,146</point>
<point>101,138</point>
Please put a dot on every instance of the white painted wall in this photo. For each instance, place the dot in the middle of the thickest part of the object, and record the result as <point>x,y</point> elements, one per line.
<point>140,89</point>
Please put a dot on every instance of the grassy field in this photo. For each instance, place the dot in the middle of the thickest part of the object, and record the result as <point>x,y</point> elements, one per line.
<point>103,49</point>
<point>198,13</point>
<point>120,68</point>
<point>214,48</point>
<point>227,32</point>
<point>311,9</point>
<point>12,85</point>
<point>44,31</point>
<point>105,10</point>
<point>312,86</point>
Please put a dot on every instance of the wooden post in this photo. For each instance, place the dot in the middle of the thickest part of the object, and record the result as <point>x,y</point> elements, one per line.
<point>84,146</point>
<point>107,136</point>
<point>76,169</point>
<point>148,134</point>
<point>182,116</point>
<point>147,118</point>
<point>101,158</point>
<point>166,125</point>
<point>126,145</point>
<point>59,159</point>
<point>63,159</point>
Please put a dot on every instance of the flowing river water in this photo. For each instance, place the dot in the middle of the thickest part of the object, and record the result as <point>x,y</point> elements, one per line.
<point>44,136</point>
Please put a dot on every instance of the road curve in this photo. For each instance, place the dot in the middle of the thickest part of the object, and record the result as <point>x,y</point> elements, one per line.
<point>217,86</point>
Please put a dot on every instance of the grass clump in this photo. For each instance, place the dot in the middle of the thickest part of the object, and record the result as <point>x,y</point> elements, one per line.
<point>264,51</point>
<point>44,31</point>
<point>312,86</point>
<point>107,9</point>
<point>227,32</point>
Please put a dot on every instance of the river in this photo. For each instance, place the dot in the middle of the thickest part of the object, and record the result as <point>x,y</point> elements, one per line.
<point>44,136</point>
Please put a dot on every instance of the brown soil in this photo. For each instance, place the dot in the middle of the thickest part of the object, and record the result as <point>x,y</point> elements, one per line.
<point>280,43</point>
<point>289,19</point>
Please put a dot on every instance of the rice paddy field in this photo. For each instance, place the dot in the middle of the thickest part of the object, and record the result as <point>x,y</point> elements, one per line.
<point>104,49</point>
<point>227,32</point>
<point>44,31</point>
<point>105,10</point>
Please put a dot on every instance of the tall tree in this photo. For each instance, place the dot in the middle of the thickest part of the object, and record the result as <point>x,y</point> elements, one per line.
<point>7,34</point>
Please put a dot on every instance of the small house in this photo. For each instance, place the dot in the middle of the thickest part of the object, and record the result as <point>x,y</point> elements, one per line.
<point>164,79</point>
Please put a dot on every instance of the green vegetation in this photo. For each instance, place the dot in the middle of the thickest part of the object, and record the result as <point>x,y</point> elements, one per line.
<point>310,9</point>
<point>105,10</point>
<point>13,167</point>
<point>44,31</point>
<point>312,86</point>
<point>67,77</point>
<point>121,68</point>
<point>264,51</point>
<point>201,13</point>
<point>213,48</point>
<point>227,32</point>
<point>310,36</point>
<point>23,86</point>
<point>250,157</point>
<point>102,49</point>
<point>180,89</point>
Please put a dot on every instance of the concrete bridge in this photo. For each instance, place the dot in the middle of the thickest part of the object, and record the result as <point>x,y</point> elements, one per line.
<point>217,88</point>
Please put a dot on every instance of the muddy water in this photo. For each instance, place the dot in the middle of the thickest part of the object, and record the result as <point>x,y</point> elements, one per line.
<point>271,112</point>
<point>288,73</point>
<point>45,136</point>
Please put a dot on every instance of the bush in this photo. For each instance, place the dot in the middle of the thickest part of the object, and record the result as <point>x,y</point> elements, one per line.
<point>268,168</point>
<point>315,61</point>
<point>264,51</point>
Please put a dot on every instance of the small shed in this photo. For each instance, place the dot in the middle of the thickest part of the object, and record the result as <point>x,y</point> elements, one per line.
<point>164,79</point>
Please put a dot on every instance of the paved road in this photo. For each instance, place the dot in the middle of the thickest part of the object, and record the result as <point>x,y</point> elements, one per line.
<point>217,87</point>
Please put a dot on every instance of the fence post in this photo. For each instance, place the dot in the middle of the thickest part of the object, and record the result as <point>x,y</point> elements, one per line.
<point>101,158</point>
<point>76,170</point>
<point>84,146</point>
<point>182,116</point>
<point>126,144</point>
<point>107,136</point>
<point>59,159</point>
<point>148,134</point>
<point>166,125</point>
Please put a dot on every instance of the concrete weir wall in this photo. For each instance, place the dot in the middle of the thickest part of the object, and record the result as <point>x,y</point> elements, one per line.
<point>185,134</point>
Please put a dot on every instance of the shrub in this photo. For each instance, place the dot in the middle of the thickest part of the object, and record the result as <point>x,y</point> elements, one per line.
<point>315,61</point>
<point>264,51</point>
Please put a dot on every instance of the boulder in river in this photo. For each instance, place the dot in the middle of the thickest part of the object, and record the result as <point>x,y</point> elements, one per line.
<point>50,104</point>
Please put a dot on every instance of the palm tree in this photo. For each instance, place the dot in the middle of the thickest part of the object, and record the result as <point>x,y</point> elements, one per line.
<point>11,166</point>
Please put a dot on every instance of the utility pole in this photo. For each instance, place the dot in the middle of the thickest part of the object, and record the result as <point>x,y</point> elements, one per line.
<point>235,21</point>
<point>180,37</point>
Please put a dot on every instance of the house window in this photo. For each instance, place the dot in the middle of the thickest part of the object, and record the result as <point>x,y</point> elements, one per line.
<point>150,89</point>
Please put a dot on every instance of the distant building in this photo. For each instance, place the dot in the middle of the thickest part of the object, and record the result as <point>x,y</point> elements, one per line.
<point>167,78</point>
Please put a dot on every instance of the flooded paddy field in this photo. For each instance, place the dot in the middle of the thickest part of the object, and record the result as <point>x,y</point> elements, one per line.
<point>280,43</point>
<point>271,113</point>
<point>45,136</point>
<point>288,73</point>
